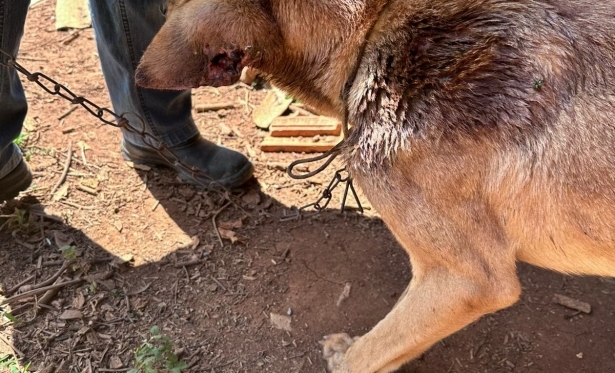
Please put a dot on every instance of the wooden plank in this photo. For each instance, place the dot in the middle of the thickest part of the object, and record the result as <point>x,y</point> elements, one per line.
<point>299,144</point>
<point>72,14</point>
<point>308,126</point>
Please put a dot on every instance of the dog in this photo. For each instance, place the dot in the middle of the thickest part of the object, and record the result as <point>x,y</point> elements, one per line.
<point>483,131</point>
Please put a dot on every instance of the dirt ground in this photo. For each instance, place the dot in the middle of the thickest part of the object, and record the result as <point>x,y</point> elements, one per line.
<point>147,246</point>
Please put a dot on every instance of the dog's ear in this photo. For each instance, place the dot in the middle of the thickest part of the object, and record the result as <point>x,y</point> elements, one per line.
<point>208,42</point>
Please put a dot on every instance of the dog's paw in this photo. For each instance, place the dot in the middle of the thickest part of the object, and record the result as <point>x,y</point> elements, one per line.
<point>334,347</point>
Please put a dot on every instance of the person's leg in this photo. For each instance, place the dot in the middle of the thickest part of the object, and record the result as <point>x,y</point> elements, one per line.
<point>14,173</point>
<point>124,29</point>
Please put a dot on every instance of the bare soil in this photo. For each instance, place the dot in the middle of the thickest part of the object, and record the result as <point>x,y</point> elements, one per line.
<point>217,308</point>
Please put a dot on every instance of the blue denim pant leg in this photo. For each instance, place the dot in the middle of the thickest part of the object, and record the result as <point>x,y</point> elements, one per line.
<point>13,105</point>
<point>124,29</point>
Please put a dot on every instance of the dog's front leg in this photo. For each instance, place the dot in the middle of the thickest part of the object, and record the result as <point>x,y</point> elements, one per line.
<point>438,303</point>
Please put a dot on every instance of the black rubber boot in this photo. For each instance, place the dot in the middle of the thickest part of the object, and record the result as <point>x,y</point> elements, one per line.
<point>225,167</point>
<point>18,179</point>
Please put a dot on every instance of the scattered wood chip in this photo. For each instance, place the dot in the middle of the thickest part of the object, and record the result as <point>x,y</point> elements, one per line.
<point>137,166</point>
<point>78,300</point>
<point>71,315</point>
<point>345,294</point>
<point>281,322</point>
<point>225,130</point>
<point>571,303</point>
<point>115,362</point>
<point>61,193</point>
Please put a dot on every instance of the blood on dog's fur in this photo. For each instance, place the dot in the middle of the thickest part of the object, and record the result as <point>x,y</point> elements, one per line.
<point>484,134</point>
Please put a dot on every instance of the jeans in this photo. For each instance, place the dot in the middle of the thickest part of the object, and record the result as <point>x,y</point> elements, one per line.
<point>123,29</point>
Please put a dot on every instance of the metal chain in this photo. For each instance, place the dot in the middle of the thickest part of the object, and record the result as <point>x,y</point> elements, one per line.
<point>109,117</point>
<point>327,195</point>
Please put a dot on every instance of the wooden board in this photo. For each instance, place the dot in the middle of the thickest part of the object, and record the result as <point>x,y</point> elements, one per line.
<point>299,144</point>
<point>72,14</point>
<point>306,126</point>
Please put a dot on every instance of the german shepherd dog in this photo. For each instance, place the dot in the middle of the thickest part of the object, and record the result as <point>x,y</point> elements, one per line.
<point>483,133</point>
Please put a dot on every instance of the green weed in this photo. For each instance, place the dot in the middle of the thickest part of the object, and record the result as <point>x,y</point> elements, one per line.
<point>156,355</point>
<point>10,362</point>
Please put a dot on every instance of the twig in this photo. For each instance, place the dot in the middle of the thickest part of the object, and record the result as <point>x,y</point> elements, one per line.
<point>48,217</point>
<point>69,157</point>
<point>16,287</point>
<point>39,291</point>
<point>215,106</point>
<point>77,206</point>
<point>12,346</point>
<point>73,36</point>
<point>213,220</point>
<point>53,278</point>
<point>218,283</point>
<point>187,263</point>
<point>83,159</point>
<point>87,189</point>
<point>44,301</point>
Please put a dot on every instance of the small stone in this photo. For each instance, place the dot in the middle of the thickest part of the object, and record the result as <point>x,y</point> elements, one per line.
<point>281,322</point>
<point>580,355</point>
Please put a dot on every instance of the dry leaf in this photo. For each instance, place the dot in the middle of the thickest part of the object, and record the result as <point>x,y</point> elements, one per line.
<point>231,224</point>
<point>281,322</point>
<point>62,240</point>
<point>228,234</point>
<point>253,197</point>
<point>78,301</point>
<point>71,315</point>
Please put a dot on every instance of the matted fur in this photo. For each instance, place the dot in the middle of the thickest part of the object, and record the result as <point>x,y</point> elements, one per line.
<point>484,134</point>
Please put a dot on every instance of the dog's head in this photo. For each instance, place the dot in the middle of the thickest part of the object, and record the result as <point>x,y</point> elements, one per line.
<point>307,47</point>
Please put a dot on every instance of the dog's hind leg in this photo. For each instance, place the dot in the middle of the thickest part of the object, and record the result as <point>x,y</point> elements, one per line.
<point>438,303</point>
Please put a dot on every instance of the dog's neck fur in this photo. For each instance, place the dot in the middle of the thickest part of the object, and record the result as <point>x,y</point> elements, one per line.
<point>337,30</point>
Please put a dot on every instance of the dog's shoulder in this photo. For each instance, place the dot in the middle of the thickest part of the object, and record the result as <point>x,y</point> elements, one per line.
<point>456,68</point>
